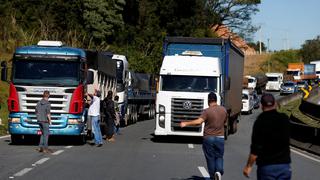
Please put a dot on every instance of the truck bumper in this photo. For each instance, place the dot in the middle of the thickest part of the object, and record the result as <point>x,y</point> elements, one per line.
<point>167,130</point>
<point>26,124</point>
<point>70,130</point>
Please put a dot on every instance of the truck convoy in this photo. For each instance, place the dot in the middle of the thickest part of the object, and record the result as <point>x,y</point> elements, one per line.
<point>67,73</point>
<point>274,81</point>
<point>300,71</point>
<point>136,91</point>
<point>256,82</point>
<point>191,68</point>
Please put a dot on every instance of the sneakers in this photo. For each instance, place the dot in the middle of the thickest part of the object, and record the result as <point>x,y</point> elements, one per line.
<point>217,176</point>
<point>48,151</point>
<point>40,149</point>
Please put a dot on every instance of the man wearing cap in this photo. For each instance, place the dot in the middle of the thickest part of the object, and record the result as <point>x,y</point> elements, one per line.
<point>214,117</point>
<point>270,143</point>
<point>94,113</point>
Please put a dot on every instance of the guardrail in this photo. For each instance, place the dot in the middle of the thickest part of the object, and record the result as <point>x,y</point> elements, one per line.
<point>305,121</point>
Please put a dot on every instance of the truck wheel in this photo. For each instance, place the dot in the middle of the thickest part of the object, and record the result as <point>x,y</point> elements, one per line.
<point>233,127</point>
<point>16,139</point>
<point>226,132</point>
<point>81,139</point>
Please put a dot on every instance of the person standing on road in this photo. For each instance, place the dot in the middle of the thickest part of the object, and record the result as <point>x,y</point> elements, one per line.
<point>270,143</point>
<point>44,120</point>
<point>117,115</point>
<point>214,117</point>
<point>110,116</point>
<point>94,113</point>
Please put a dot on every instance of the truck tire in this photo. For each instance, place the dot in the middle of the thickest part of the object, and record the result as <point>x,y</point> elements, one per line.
<point>16,139</point>
<point>81,140</point>
<point>226,132</point>
<point>233,126</point>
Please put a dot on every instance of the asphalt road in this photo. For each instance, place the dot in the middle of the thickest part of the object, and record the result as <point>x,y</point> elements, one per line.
<point>137,155</point>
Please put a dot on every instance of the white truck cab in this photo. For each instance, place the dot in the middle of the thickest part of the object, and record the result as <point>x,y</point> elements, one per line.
<point>247,101</point>
<point>185,82</point>
<point>274,81</point>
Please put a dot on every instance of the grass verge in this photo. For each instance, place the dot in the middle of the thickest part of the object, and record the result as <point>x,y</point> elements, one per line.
<point>4,89</point>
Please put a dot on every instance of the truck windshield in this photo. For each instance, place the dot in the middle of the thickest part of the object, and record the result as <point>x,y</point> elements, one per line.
<point>294,73</point>
<point>36,72</point>
<point>189,83</point>
<point>245,96</point>
<point>272,78</point>
<point>250,80</point>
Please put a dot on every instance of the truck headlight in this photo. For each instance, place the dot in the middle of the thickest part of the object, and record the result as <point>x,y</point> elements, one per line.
<point>161,118</point>
<point>74,121</point>
<point>14,120</point>
<point>162,109</point>
<point>162,121</point>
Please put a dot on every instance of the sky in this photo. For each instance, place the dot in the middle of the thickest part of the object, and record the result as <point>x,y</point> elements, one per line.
<point>287,24</point>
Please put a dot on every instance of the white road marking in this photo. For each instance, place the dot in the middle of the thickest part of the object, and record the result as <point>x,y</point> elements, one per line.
<point>11,177</point>
<point>306,156</point>
<point>204,172</point>
<point>58,152</point>
<point>40,161</point>
<point>2,137</point>
<point>68,147</point>
<point>22,172</point>
<point>190,146</point>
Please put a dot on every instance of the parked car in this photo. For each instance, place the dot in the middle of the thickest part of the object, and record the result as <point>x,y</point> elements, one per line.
<point>288,87</point>
<point>302,84</point>
<point>247,101</point>
<point>256,100</point>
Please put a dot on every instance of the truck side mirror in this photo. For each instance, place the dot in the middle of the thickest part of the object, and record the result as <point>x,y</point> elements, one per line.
<point>4,71</point>
<point>227,83</point>
<point>90,77</point>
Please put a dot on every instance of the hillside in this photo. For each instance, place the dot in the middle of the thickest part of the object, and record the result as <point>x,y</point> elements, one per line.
<point>4,89</point>
<point>255,64</point>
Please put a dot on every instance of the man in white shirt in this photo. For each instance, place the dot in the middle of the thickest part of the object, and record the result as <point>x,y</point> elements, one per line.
<point>94,113</point>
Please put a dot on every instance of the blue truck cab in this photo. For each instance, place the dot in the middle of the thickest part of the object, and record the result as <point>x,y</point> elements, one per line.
<point>51,66</point>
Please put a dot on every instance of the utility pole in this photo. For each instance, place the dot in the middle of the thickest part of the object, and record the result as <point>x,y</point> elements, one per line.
<point>260,39</point>
<point>268,49</point>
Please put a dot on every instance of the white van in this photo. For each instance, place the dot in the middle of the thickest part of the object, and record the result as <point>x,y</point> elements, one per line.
<point>247,101</point>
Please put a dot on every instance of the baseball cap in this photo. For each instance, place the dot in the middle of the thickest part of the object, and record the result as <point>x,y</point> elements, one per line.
<point>267,100</point>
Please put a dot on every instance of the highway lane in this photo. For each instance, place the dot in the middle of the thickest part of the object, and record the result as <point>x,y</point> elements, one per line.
<point>137,155</point>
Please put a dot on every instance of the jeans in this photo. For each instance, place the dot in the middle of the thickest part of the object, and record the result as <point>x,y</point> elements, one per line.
<point>44,138</point>
<point>213,148</point>
<point>274,172</point>
<point>96,129</point>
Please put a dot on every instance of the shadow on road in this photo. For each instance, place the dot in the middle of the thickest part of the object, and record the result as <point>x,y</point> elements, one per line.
<point>53,141</point>
<point>191,178</point>
<point>176,139</point>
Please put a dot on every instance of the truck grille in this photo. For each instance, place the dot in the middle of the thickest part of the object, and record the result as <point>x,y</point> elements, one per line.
<point>59,103</point>
<point>184,110</point>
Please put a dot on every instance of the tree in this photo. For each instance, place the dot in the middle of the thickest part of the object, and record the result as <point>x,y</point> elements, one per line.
<point>235,14</point>
<point>256,46</point>
<point>103,18</point>
<point>310,50</point>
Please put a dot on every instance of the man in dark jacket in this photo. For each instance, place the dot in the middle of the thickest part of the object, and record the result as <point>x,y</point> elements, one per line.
<point>270,144</point>
<point>44,119</point>
<point>110,116</point>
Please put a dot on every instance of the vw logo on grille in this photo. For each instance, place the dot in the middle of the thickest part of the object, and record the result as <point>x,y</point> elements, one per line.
<point>187,105</point>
